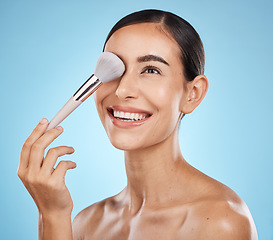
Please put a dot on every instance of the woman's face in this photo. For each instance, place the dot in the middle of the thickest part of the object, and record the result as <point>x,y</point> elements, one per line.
<point>142,108</point>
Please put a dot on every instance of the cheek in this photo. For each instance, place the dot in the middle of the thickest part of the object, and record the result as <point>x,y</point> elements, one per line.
<point>99,97</point>
<point>98,100</point>
<point>166,100</point>
<point>103,92</point>
<point>164,97</point>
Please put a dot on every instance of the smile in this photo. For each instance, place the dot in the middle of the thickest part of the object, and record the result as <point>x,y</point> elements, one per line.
<point>127,117</point>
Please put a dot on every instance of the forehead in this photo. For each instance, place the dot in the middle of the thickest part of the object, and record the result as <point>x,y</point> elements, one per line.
<point>143,39</point>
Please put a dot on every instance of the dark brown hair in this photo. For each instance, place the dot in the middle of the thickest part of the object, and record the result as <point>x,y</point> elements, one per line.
<point>191,46</point>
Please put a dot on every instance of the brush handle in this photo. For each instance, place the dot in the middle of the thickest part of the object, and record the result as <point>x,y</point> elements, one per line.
<point>90,86</point>
<point>68,108</point>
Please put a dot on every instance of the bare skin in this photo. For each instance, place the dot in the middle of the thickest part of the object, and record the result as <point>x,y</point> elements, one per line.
<point>46,185</point>
<point>165,197</point>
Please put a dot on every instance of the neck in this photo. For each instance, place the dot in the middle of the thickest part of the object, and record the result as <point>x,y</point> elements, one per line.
<point>153,174</point>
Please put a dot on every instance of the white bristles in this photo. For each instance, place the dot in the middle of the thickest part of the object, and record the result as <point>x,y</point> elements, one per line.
<point>109,67</point>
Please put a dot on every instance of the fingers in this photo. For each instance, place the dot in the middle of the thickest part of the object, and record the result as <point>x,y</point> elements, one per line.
<point>52,156</point>
<point>62,168</point>
<point>47,190</point>
<point>36,134</point>
<point>37,150</point>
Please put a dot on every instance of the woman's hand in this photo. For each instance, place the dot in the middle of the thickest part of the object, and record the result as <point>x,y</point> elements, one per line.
<point>46,184</point>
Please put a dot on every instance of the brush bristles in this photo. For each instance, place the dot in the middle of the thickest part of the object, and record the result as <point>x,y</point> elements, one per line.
<point>109,67</point>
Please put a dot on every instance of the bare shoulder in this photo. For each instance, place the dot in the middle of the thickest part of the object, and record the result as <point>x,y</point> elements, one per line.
<point>82,220</point>
<point>222,220</point>
<point>87,220</point>
<point>221,214</point>
<point>91,221</point>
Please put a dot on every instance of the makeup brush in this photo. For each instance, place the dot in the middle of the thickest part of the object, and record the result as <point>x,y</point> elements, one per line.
<point>109,67</point>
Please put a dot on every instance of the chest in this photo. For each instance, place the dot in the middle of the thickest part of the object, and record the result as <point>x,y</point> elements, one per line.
<point>157,225</point>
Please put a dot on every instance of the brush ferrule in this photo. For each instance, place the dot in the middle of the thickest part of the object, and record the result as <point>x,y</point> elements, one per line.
<point>87,88</point>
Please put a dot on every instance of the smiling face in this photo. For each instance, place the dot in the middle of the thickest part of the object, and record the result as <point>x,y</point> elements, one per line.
<point>143,107</point>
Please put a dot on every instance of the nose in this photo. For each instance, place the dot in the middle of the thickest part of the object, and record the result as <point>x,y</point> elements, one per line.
<point>128,87</point>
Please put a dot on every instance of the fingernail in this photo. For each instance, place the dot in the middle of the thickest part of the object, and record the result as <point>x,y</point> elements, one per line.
<point>43,121</point>
<point>59,128</point>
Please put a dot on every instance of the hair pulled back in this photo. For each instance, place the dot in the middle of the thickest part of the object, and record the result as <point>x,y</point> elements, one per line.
<point>191,46</point>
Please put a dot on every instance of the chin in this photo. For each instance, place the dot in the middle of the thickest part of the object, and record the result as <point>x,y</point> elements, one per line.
<point>125,145</point>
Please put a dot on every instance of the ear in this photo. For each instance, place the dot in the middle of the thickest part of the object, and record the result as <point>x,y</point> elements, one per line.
<point>196,91</point>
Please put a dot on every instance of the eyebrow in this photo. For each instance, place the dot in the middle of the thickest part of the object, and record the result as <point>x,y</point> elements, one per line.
<point>150,57</point>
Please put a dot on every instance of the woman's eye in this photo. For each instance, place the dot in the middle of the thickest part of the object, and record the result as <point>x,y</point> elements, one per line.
<point>151,70</point>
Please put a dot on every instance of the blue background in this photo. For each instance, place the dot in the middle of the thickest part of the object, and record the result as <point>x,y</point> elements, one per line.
<point>49,48</point>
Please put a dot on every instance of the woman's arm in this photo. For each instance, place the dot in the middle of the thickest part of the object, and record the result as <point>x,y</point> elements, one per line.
<point>45,184</point>
<point>55,227</point>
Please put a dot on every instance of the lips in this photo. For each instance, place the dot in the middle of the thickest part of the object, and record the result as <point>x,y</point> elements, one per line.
<point>127,116</point>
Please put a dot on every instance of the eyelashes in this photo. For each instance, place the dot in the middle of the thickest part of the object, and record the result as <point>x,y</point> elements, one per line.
<point>151,70</point>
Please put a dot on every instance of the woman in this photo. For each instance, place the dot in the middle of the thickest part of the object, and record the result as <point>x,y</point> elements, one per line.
<point>165,197</point>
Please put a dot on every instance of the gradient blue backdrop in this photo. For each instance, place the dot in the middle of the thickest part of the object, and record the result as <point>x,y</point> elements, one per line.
<point>48,48</point>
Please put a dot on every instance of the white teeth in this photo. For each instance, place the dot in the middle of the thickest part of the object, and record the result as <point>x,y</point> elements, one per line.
<point>121,114</point>
<point>129,116</point>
